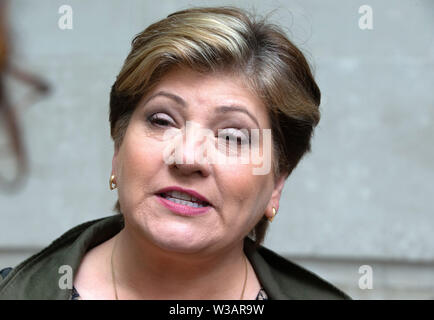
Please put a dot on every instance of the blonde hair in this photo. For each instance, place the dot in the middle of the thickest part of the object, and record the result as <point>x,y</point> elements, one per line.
<point>231,40</point>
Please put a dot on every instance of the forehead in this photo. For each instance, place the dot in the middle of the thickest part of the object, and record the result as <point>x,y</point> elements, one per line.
<point>209,90</point>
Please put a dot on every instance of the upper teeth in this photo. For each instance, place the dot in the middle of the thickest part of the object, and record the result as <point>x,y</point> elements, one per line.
<point>183,196</point>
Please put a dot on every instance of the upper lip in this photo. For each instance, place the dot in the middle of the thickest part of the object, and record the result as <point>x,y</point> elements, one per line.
<point>189,191</point>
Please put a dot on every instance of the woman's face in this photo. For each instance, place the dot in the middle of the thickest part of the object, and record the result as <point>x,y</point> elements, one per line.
<point>238,197</point>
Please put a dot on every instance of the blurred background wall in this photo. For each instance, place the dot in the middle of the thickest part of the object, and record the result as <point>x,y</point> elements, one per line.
<point>364,196</point>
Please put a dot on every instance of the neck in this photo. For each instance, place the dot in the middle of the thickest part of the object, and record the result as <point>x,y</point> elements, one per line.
<point>145,271</point>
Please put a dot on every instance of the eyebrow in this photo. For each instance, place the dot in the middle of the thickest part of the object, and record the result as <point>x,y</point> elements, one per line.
<point>219,109</point>
<point>169,95</point>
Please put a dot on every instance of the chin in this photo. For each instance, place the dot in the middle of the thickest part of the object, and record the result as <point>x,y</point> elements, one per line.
<point>180,238</point>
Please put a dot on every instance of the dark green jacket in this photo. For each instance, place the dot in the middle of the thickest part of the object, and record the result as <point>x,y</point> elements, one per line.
<point>38,276</point>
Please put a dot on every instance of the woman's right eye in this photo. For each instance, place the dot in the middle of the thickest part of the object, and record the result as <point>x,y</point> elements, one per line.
<point>160,119</point>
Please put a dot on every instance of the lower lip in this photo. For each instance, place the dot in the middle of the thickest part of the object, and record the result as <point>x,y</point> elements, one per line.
<point>182,209</point>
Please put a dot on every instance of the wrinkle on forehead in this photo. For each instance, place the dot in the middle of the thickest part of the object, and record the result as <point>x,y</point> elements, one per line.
<point>177,77</point>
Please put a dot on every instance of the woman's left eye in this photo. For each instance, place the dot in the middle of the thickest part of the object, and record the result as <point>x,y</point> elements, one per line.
<point>241,136</point>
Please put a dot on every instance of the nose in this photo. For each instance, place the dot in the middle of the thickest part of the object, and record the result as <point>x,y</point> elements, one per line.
<point>191,152</point>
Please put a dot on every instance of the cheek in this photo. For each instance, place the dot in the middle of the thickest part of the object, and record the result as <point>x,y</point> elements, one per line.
<point>245,197</point>
<point>139,162</point>
<point>242,188</point>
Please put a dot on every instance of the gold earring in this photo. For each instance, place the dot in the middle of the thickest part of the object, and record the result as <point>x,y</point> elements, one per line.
<point>274,214</point>
<point>112,183</point>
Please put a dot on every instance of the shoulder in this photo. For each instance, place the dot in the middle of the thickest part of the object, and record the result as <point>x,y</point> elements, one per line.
<point>42,275</point>
<point>284,279</point>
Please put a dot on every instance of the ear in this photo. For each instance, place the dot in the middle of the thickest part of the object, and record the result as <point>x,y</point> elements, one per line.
<point>275,196</point>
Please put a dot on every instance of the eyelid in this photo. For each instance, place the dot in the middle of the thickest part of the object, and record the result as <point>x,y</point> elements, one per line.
<point>232,130</point>
<point>165,117</point>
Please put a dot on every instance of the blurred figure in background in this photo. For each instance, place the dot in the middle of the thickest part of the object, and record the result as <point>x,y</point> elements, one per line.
<point>12,147</point>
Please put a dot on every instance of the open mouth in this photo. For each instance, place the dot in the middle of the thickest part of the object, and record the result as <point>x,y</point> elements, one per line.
<point>184,199</point>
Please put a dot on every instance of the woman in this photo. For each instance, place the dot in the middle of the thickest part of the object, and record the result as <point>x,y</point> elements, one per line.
<point>189,228</point>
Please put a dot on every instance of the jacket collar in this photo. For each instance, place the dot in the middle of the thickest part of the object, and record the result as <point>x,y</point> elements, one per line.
<point>38,277</point>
